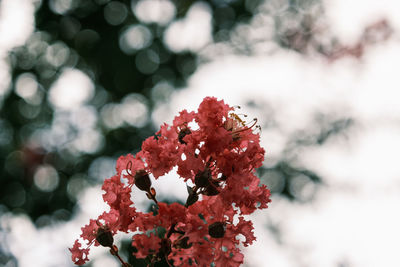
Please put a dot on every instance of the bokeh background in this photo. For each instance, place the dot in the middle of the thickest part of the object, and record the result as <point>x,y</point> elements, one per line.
<point>85,81</point>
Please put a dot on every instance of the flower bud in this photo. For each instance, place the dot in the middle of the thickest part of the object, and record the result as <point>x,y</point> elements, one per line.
<point>216,230</point>
<point>104,237</point>
<point>142,180</point>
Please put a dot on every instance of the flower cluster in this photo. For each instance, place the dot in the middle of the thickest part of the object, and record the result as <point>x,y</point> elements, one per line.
<point>218,153</point>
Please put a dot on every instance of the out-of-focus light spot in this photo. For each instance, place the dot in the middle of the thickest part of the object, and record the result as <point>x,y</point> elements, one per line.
<point>61,215</point>
<point>274,181</point>
<point>101,97</point>
<point>46,178</point>
<point>16,23</point>
<point>43,221</point>
<point>302,187</point>
<point>57,54</point>
<point>13,163</point>
<point>134,110</point>
<point>134,38</point>
<point>84,117</point>
<point>28,111</point>
<point>274,7</point>
<point>287,23</point>
<point>86,39</point>
<point>5,79</point>
<point>69,27</point>
<point>58,135</point>
<point>26,85</point>
<point>6,133</point>
<point>101,2</point>
<point>38,42</point>
<point>251,5</point>
<point>222,2</point>
<point>111,116</point>
<point>76,185</point>
<point>191,33</point>
<point>14,194</point>
<point>186,66</point>
<point>154,11</point>
<point>115,13</point>
<point>72,89</point>
<point>89,141</point>
<point>37,4</point>
<point>224,17</point>
<point>61,6</point>
<point>102,168</point>
<point>162,91</point>
<point>164,73</point>
<point>147,61</point>
<point>305,6</point>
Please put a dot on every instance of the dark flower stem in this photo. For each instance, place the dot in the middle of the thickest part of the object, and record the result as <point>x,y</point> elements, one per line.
<point>114,251</point>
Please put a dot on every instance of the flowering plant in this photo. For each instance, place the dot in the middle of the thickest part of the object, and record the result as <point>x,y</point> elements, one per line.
<point>218,152</point>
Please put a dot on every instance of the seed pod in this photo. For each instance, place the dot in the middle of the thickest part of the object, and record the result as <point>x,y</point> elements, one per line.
<point>142,180</point>
<point>216,230</point>
<point>104,237</point>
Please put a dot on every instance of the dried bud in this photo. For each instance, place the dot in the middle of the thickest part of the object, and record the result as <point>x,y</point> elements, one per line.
<point>216,230</point>
<point>142,180</point>
<point>182,134</point>
<point>104,237</point>
<point>201,178</point>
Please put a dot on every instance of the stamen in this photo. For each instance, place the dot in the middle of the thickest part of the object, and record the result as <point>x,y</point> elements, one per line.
<point>246,127</point>
<point>128,168</point>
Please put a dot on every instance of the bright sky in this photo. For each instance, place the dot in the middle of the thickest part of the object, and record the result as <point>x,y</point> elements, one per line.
<point>353,221</point>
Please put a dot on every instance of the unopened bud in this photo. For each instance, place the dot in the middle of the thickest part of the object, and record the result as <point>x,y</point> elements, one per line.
<point>104,237</point>
<point>142,180</point>
<point>216,230</point>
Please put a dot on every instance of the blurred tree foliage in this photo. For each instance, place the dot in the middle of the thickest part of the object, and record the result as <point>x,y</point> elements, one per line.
<point>86,35</point>
<point>126,57</point>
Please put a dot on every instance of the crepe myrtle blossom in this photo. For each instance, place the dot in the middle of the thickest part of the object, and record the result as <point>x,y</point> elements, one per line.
<point>218,152</point>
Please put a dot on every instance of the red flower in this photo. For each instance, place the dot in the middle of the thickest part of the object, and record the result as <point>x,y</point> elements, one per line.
<point>219,155</point>
<point>146,244</point>
<point>79,255</point>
